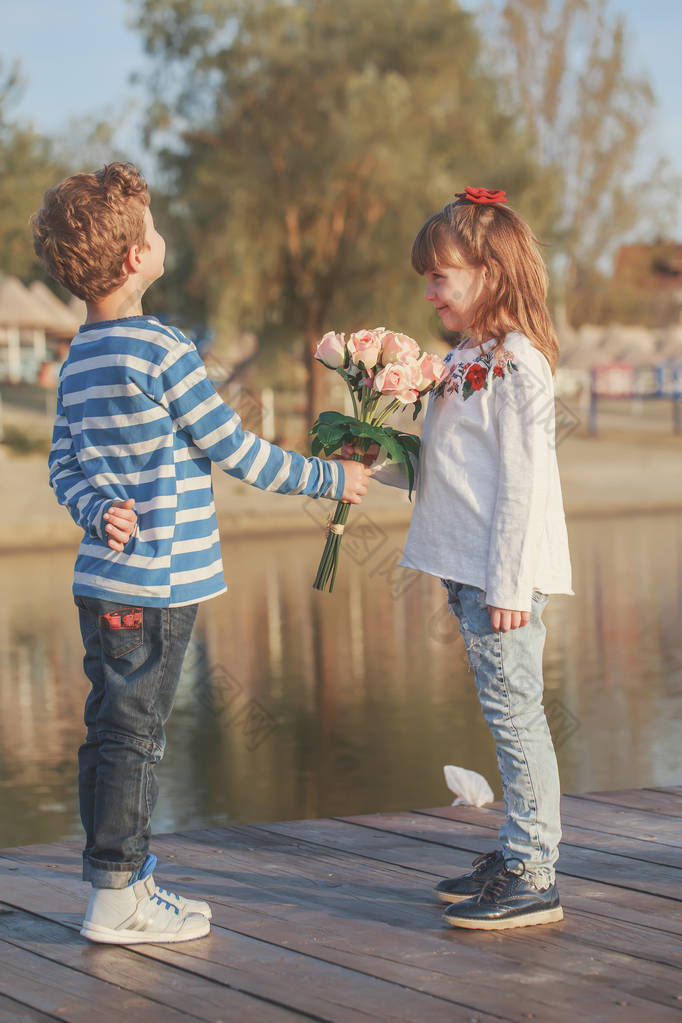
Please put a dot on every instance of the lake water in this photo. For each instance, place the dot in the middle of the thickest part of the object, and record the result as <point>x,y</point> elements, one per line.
<point>300,704</point>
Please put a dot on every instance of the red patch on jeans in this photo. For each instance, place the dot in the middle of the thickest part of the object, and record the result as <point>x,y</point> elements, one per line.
<point>129,619</point>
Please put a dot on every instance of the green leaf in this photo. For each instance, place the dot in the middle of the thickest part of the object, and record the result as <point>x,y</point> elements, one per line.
<point>331,437</point>
<point>410,477</point>
<point>412,443</point>
<point>402,446</point>
<point>334,429</point>
<point>334,417</point>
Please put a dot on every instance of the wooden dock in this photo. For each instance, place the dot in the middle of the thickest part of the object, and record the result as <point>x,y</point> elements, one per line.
<point>334,920</point>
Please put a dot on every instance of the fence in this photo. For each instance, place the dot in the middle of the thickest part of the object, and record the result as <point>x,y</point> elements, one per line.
<point>624,381</point>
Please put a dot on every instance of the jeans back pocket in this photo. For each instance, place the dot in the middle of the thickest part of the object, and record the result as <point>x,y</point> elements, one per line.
<point>121,630</point>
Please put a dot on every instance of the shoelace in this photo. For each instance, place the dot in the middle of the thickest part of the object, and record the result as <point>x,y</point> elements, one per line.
<point>483,861</point>
<point>164,892</point>
<point>496,885</point>
<point>163,902</point>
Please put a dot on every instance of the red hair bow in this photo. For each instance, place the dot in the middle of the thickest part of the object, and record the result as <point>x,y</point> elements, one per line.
<point>482,196</point>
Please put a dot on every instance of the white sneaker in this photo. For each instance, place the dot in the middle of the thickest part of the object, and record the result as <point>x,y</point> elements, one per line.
<point>139,913</point>
<point>184,905</point>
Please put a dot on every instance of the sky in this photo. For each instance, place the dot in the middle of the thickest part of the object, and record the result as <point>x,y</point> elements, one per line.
<point>77,57</point>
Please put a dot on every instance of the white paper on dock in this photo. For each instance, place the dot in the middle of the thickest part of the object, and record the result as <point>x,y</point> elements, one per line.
<point>470,787</point>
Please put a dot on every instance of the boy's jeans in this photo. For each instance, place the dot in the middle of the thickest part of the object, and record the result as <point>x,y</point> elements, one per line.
<point>508,671</point>
<point>133,658</point>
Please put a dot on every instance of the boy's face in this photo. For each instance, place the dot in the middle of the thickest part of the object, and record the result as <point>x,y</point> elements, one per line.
<point>154,250</point>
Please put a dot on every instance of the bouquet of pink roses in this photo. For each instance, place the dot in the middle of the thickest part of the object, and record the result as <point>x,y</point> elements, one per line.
<point>384,371</point>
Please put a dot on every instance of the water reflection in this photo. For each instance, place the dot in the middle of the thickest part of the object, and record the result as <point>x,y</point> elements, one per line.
<point>299,704</point>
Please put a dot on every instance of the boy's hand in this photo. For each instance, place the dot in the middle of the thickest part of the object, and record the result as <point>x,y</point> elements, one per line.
<point>503,620</point>
<point>356,477</point>
<point>121,521</point>
<point>368,457</point>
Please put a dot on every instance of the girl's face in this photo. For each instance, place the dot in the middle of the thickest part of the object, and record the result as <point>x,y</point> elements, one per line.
<point>456,292</point>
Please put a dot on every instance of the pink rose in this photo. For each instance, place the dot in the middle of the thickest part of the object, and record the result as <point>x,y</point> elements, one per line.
<point>364,346</point>
<point>332,350</point>
<point>432,370</point>
<point>398,348</point>
<point>399,380</point>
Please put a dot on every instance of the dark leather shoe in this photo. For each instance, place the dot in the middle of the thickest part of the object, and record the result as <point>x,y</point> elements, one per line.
<point>485,867</point>
<point>508,900</point>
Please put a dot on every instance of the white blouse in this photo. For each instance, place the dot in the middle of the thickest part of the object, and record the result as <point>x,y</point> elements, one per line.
<point>488,505</point>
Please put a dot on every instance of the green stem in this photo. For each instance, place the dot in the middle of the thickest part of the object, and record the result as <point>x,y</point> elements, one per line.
<point>326,571</point>
<point>383,416</point>
<point>364,403</point>
<point>352,394</point>
<point>374,401</point>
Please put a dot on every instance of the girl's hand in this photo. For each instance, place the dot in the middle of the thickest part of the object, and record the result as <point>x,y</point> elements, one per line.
<point>502,620</point>
<point>121,521</point>
<point>356,477</point>
<point>368,457</point>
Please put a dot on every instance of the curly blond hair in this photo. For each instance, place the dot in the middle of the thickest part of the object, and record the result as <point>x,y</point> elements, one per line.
<point>86,226</point>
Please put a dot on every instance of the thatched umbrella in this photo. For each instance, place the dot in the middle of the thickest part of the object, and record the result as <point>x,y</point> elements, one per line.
<point>64,323</point>
<point>19,309</point>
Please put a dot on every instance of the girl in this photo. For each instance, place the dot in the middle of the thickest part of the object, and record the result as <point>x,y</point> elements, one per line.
<point>489,522</point>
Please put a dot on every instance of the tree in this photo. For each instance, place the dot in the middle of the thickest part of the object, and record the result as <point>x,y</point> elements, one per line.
<point>567,69</point>
<point>27,168</point>
<point>305,142</point>
<point>30,163</point>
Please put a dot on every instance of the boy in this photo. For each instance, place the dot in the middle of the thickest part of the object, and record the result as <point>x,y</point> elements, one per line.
<point>138,425</point>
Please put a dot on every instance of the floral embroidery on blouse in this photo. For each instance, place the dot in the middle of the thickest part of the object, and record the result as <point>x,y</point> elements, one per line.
<point>466,378</point>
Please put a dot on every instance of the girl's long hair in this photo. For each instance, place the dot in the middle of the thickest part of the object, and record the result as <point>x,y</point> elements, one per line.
<point>493,236</point>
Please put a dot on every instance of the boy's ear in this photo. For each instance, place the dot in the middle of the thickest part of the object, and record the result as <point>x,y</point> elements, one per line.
<point>133,260</point>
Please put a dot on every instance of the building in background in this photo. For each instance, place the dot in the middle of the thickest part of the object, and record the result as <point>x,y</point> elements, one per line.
<point>647,283</point>
<point>35,331</point>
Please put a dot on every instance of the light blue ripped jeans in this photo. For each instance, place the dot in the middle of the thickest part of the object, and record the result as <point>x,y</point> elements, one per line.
<point>507,667</point>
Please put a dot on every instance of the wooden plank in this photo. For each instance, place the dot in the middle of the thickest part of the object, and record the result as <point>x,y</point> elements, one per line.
<point>673,790</point>
<point>619,820</point>
<point>12,1011</point>
<point>180,991</point>
<point>388,841</point>
<point>446,962</point>
<point>357,991</point>
<point>392,845</point>
<point>69,994</point>
<point>400,890</point>
<point>308,984</point>
<point>318,928</point>
<point>639,799</point>
<point>576,861</point>
<point>586,814</point>
<point>643,982</point>
<point>377,840</point>
<point>364,901</point>
<point>579,837</point>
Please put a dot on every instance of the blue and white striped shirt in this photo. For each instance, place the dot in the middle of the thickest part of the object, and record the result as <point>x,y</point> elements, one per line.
<point>137,417</point>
